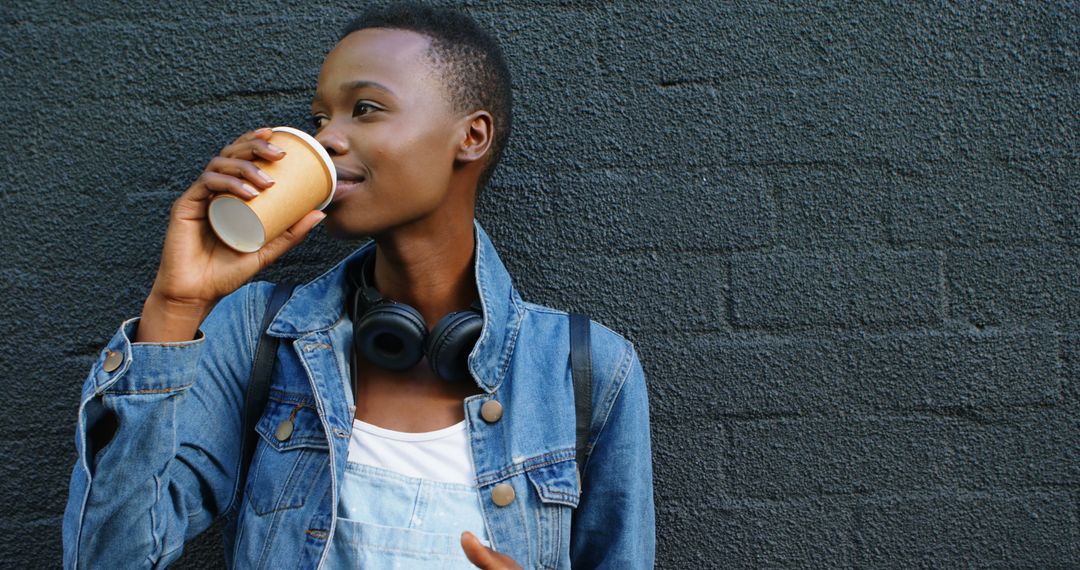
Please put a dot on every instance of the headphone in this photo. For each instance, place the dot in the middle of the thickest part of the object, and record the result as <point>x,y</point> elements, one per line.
<point>394,336</point>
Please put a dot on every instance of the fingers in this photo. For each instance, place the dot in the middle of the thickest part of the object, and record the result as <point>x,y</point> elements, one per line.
<point>484,557</point>
<point>253,145</point>
<point>238,168</point>
<point>290,239</point>
<point>218,182</point>
<point>233,170</point>
<point>193,203</point>
<point>477,553</point>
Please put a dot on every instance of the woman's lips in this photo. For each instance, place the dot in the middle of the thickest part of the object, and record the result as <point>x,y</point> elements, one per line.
<point>345,187</point>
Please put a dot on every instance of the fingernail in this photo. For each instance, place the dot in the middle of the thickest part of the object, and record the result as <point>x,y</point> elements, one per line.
<point>274,148</point>
<point>265,178</point>
<point>320,220</point>
<point>252,192</point>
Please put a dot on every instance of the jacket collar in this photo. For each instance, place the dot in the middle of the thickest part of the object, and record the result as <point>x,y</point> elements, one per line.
<point>320,304</point>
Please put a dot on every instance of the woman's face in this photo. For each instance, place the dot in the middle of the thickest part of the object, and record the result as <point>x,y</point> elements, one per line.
<point>381,111</point>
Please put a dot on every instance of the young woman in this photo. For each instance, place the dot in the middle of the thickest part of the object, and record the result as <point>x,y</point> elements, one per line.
<point>450,448</point>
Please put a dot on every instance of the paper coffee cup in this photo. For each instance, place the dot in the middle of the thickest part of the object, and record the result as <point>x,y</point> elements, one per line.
<point>304,180</point>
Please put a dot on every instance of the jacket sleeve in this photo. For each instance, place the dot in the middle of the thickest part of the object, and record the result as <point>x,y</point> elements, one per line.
<point>171,467</point>
<point>614,524</point>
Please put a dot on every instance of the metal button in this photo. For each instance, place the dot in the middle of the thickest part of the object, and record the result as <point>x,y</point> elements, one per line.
<point>284,430</point>
<point>502,494</point>
<point>491,411</point>
<point>113,360</point>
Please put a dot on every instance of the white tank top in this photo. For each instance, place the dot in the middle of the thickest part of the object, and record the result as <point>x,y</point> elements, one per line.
<point>440,455</point>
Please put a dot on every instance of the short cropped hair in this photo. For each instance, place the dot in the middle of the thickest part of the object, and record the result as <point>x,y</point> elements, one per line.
<point>470,60</point>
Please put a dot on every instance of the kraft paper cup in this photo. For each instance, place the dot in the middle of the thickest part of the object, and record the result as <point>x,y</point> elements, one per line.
<point>304,180</point>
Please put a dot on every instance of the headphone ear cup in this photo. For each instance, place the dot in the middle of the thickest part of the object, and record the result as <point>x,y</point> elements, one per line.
<point>450,342</point>
<point>391,336</point>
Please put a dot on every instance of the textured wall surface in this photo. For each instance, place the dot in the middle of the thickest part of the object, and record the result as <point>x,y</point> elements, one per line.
<point>844,236</point>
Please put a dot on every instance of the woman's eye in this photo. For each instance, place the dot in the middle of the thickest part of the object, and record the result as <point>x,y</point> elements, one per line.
<point>318,121</point>
<point>363,108</point>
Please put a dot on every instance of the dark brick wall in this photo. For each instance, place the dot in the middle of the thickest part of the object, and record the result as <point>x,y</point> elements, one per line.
<point>844,237</point>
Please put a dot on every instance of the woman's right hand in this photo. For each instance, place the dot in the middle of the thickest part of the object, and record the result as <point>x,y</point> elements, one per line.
<point>197,269</point>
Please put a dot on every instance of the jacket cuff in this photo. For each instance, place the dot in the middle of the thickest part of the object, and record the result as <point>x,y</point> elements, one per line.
<point>124,366</point>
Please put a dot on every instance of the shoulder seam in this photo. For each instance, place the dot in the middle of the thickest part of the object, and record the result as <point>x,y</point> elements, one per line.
<point>543,309</point>
<point>533,307</point>
<point>607,401</point>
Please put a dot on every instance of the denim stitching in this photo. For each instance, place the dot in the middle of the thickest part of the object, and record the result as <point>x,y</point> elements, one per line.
<point>292,398</point>
<point>508,351</point>
<point>622,372</point>
<point>145,391</point>
<point>530,464</point>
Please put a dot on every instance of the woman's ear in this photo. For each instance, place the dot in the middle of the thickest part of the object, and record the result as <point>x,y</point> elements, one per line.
<point>477,132</point>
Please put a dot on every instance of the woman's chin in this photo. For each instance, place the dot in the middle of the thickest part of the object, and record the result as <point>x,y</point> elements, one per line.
<point>339,225</point>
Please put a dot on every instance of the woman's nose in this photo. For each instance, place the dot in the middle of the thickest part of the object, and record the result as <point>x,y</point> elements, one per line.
<point>332,141</point>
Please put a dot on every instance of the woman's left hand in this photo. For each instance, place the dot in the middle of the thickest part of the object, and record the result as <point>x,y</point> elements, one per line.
<point>484,557</point>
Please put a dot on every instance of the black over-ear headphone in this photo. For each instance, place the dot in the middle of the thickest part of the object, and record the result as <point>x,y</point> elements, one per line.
<point>394,335</point>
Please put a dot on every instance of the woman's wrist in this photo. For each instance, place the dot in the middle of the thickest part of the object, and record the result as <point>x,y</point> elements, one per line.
<point>167,320</point>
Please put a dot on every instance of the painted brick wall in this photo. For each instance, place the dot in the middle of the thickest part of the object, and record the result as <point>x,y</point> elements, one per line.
<point>844,236</point>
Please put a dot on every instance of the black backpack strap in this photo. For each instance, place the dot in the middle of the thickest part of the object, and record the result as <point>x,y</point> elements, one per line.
<point>258,390</point>
<point>581,370</point>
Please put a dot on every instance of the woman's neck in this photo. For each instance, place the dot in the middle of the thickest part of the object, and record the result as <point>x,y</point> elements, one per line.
<point>432,272</point>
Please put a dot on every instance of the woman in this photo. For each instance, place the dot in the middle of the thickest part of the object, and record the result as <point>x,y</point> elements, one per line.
<point>364,459</point>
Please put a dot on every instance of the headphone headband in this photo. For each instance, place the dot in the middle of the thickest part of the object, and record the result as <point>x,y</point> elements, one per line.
<point>369,295</point>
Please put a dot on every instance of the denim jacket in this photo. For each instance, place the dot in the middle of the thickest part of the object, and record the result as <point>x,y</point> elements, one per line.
<point>172,467</point>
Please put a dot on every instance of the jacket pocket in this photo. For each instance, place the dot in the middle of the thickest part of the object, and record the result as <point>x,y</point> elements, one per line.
<point>556,483</point>
<point>558,492</point>
<point>291,452</point>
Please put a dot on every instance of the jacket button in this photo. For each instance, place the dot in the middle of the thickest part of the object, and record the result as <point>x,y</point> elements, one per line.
<point>284,430</point>
<point>113,360</point>
<point>491,411</point>
<point>502,494</point>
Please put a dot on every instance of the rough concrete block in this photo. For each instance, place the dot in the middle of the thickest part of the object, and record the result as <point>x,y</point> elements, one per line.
<point>835,206</point>
<point>1029,529</point>
<point>806,457</point>
<point>864,289</point>
<point>999,286</point>
<point>954,205</point>
<point>637,294</point>
<point>688,449</point>
<point>764,376</point>
<point>156,58</point>
<point>721,533</point>
<point>634,211</point>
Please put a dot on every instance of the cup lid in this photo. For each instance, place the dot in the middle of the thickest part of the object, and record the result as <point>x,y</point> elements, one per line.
<point>325,156</point>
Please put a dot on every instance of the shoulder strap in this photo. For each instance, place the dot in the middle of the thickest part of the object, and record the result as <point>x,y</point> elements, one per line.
<point>581,370</point>
<point>258,390</point>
